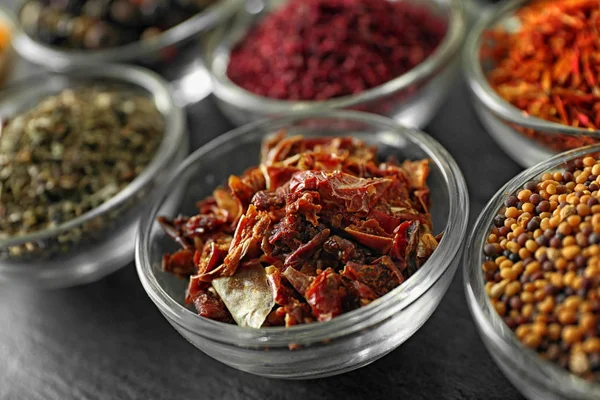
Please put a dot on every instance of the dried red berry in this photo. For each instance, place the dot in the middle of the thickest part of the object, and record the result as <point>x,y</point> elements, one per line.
<point>321,49</point>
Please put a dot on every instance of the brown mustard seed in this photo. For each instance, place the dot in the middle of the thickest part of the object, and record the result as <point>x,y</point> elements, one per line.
<point>542,266</point>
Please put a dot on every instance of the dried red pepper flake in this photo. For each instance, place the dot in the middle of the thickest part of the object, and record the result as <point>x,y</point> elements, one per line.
<point>550,67</point>
<point>318,242</point>
<point>322,49</point>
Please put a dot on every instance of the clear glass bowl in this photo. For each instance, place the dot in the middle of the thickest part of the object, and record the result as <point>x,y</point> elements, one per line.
<point>350,340</point>
<point>7,54</point>
<point>411,99</point>
<point>504,122</point>
<point>100,241</point>
<point>155,52</point>
<point>532,375</point>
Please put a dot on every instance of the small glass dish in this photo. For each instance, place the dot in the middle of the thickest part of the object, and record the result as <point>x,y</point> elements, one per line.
<point>348,341</point>
<point>7,24</point>
<point>535,377</point>
<point>100,241</point>
<point>155,52</point>
<point>411,99</point>
<point>527,140</point>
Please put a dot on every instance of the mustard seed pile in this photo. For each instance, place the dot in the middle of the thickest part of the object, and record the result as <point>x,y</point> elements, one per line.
<point>542,266</point>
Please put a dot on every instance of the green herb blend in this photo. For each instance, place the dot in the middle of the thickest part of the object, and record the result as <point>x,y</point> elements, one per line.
<point>71,153</point>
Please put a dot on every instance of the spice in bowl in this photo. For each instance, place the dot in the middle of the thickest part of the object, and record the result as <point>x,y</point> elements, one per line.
<point>72,152</point>
<point>101,24</point>
<point>542,268</point>
<point>548,67</point>
<point>323,49</point>
<point>5,49</point>
<point>318,229</point>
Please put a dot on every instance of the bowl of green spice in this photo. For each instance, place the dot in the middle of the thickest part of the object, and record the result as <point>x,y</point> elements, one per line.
<point>81,153</point>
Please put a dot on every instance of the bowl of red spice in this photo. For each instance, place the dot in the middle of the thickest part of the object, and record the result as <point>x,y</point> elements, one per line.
<point>62,34</point>
<point>306,245</point>
<point>393,58</point>
<point>532,67</point>
<point>532,277</point>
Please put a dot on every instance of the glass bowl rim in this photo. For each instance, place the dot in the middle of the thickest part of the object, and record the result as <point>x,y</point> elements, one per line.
<point>474,288</point>
<point>480,87</point>
<point>6,15</point>
<point>58,58</point>
<point>347,323</point>
<point>173,134</point>
<point>226,90</point>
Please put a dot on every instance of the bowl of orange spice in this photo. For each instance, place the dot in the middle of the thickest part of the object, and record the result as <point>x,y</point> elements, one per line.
<point>533,68</point>
<point>6,31</point>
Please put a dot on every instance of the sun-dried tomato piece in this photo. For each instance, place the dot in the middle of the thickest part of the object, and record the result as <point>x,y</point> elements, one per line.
<point>180,263</point>
<point>305,204</point>
<point>298,280</point>
<point>204,223</point>
<point>225,201</point>
<point>212,256</point>
<point>406,241</point>
<point>297,313</point>
<point>174,232</point>
<point>276,176</point>
<point>381,277</point>
<point>363,293</point>
<point>266,200</point>
<point>325,295</point>
<point>349,192</point>
<point>342,248</point>
<point>382,244</point>
<point>246,240</point>
<point>427,245</point>
<point>307,250</point>
<point>417,171</point>
<point>281,293</point>
<point>422,197</point>
<point>210,305</point>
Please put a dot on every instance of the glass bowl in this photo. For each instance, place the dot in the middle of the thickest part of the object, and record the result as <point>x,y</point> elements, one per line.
<point>411,99</point>
<point>155,52</point>
<point>510,127</point>
<point>532,375</point>
<point>7,55</point>
<point>100,241</point>
<point>348,341</point>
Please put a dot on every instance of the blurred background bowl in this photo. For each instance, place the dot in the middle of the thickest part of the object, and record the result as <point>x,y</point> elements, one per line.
<point>100,241</point>
<point>155,52</point>
<point>535,377</point>
<point>508,125</point>
<point>348,341</point>
<point>8,23</point>
<point>412,98</point>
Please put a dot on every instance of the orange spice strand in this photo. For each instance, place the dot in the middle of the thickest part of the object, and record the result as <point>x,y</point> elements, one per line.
<point>550,68</point>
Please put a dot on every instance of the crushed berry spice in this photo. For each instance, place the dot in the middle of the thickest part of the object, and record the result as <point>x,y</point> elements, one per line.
<point>318,229</point>
<point>321,49</point>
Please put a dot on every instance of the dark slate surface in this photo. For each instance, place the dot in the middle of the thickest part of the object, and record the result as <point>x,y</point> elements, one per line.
<point>108,341</point>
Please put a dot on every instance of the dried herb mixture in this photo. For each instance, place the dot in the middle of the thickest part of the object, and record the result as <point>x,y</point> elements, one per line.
<point>318,229</point>
<point>72,152</point>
